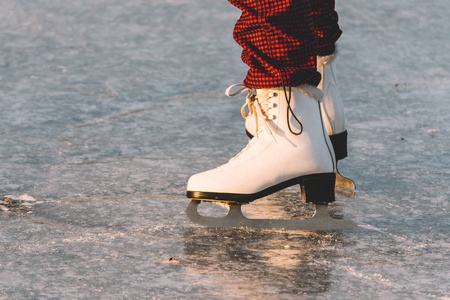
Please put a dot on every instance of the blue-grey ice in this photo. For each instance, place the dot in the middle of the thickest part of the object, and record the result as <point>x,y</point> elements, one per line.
<point>107,108</point>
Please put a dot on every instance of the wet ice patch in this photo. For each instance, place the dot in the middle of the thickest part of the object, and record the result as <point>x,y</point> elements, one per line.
<point>16,202</point>
<point>24,198</point>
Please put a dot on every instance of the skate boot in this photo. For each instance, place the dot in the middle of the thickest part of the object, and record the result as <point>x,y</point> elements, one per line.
<point>332,105</point>
<point>290,147</point>
<point>332,113</point>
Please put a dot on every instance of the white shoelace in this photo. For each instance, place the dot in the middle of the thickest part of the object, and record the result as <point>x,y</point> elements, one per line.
<point>258,105</point>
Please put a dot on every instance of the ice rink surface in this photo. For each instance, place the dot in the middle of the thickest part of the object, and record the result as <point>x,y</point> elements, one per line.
<point>107,108</point>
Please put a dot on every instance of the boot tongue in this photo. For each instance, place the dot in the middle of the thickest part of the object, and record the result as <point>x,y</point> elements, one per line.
<point>262,105</point>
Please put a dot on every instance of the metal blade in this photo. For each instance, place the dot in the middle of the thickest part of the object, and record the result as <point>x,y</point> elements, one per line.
<point>235,219</point>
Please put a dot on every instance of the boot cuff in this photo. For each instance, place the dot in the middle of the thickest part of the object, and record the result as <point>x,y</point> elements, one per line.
<point>327,59</point>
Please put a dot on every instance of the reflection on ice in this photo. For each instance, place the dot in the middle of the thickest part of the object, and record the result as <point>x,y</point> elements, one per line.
<point>263,263</point>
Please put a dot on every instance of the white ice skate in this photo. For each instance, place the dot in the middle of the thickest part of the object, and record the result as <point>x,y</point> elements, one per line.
<point>290,147</point>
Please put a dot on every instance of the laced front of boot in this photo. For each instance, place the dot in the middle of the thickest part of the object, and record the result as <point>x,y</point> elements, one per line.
<point>258,104</point>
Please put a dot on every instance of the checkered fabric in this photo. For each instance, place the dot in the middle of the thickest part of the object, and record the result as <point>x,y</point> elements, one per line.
<point>326,25</point>
<point>282,38</point>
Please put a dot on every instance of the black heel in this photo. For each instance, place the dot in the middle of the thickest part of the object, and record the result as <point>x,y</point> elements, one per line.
<point>318,188</point>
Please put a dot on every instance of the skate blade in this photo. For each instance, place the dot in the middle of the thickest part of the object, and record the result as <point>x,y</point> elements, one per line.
<point>344,185</point>
<point>235,219</point>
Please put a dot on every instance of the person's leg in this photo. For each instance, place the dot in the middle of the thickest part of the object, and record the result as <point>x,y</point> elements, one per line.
<point>326,25</point>
<point>279,42</point>
<point>290,145</point>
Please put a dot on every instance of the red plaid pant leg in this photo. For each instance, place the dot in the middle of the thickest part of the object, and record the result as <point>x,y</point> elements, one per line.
<point>326,25</point>
<point>279,42</point>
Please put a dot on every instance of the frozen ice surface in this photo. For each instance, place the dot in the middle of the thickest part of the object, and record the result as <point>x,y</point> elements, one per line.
<point>107,108</point>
